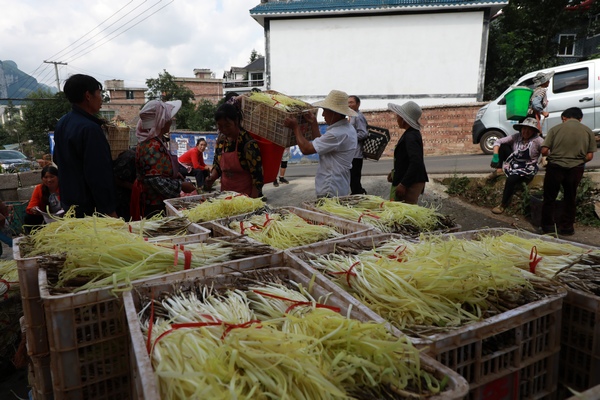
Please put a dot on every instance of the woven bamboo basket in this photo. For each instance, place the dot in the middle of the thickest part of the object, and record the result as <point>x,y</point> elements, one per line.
<point>118,139</point>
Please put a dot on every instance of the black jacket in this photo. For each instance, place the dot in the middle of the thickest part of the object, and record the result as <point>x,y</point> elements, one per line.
<point>409,166</point>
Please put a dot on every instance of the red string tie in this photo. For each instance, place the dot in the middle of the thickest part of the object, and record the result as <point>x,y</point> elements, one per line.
<point>348,273</point>
<point>297,303</point>
<point>533,259</point>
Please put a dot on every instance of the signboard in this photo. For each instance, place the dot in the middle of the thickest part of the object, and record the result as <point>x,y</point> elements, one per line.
<point>180,142</point>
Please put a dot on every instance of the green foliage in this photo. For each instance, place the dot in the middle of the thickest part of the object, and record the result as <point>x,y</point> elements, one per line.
<point>458,185</point>
<point>203,117</point>
<point>524,38</point>
<point>587,195</point>
<point>255,55</point>
<point>166,89</point>
<point>40,114</point>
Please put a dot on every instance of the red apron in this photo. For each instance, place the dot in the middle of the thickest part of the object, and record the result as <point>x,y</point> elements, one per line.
<point>233,176</point>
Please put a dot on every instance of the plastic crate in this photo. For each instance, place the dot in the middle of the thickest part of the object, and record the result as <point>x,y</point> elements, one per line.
<point>580,341</point>
<point>16,217</point>
<point>176,205</point>
<point>40,377</point>
<point>267,122</point>
<point>591,394</point>
<point>146,385</point>
<point>194,234</point>
<point>311,205</point>
<point>88,337</point>
<point>485,351</point>
<point>33,309</point>
<point>348,229</point>
<point>374,145</point>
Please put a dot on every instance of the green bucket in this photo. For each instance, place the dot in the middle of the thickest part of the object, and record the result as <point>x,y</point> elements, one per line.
<point>517,103</point>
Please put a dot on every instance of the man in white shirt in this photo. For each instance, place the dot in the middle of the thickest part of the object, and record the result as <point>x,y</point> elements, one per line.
<point>335,148</point>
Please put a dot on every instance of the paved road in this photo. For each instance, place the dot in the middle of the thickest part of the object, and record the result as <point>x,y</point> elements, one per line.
<point>462,164</point>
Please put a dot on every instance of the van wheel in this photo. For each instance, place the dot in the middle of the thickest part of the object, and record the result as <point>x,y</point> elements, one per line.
<point>487,141</point>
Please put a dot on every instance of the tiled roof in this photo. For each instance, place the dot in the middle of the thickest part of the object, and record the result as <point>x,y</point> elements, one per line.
<point>316,6</point>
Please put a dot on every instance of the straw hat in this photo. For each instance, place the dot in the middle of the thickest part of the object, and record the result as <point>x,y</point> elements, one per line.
<point>336,101</point>
<point>530,122</point>
<point>542,77</point>
<point>148,113</point>
<point>409,111</point>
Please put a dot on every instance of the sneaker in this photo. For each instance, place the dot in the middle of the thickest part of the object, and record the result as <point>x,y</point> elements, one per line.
<point>275,183</point>
<point>283,180</point>
<point>498,210</point>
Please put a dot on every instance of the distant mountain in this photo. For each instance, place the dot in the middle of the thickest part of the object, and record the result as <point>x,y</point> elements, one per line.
<point>16,84</point>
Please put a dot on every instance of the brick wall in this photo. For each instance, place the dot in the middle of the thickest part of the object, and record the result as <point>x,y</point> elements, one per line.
<point>446,129</point>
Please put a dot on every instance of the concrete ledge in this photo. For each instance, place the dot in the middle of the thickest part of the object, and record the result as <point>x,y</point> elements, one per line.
<point>9,181</point>
<point>30,178</point>
<point>9,194</point>
<point>25,193</point>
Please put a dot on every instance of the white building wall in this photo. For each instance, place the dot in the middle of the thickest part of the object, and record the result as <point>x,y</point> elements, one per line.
<point>432,58</point>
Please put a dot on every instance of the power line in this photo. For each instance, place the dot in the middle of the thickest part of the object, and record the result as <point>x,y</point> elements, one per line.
<point>131,20</point>
<point>56,63</point>
<point>94,28</point>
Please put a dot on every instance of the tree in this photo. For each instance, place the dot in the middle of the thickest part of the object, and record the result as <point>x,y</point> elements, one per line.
<point>166,89</point>
<point>41,112</point>
<point>524,38</point>
<point>203,118</point>
<point>254,55</point>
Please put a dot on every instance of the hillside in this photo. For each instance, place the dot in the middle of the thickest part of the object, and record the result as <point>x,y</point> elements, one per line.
<point>16,84</point>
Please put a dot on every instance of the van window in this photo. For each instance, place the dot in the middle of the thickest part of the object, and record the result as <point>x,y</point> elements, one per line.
<point>570,81</point>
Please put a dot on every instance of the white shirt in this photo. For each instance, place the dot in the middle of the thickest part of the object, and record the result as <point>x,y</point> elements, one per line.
<point>336,150</point>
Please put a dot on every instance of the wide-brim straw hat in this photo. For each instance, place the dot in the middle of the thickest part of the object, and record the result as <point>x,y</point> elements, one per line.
<point>149,111</point>
<point>409,111</point>
<point>336,101</point>
<point>542,77</point>
<point>530,122</point>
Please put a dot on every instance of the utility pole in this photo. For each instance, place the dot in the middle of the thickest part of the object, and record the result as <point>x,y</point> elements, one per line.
<point>56,71</point>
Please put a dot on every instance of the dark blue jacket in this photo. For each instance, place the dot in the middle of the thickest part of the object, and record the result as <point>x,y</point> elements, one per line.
<point>82,154</point>
<point>409,165</point>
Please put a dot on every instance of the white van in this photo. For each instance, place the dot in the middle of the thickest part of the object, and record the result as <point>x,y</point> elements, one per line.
<point>573,85</point>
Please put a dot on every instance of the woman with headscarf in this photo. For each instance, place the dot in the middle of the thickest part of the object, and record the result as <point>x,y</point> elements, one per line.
<point>409,175</point>
<point>157,172</point>
<point>237,158</point>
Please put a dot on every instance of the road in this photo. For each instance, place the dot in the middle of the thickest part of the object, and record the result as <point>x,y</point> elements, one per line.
<point>460,164</point>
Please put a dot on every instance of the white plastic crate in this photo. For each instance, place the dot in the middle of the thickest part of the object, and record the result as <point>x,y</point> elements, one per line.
<point>347,229</point>
<point>523,339</point>
<point>145,381</point>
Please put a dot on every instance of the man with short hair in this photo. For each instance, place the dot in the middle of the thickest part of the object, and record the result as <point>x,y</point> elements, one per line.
<point>568,147</point>
<point>335,148</point>
<point>82,152</point>
<point>360,124</point>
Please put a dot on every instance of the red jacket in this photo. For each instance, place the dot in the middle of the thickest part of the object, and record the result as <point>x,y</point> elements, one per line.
<point>192,158</point>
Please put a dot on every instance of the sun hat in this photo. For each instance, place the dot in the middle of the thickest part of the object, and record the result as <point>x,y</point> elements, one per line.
<point>409,111</point>
<point>530,122</point>
<point>542,77</point>
<point>336,101</point>
<point>156,111</point>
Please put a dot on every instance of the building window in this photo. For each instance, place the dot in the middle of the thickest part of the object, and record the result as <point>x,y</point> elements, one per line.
<point>129,94</point>
<point>256,79</point>
<point>566,45</point>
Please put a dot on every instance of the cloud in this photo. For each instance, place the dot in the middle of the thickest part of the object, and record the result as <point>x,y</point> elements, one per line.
<point>146,37</point>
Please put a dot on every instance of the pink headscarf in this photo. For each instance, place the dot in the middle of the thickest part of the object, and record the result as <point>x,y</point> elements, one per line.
<point>153,117</point>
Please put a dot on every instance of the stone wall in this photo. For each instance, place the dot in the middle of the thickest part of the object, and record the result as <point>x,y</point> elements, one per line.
<point>446,129</point>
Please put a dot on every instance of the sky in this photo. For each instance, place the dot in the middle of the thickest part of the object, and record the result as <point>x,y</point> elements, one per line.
<point>132,40</point>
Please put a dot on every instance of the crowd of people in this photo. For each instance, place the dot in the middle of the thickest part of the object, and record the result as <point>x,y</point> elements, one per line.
<point>135,185</point>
